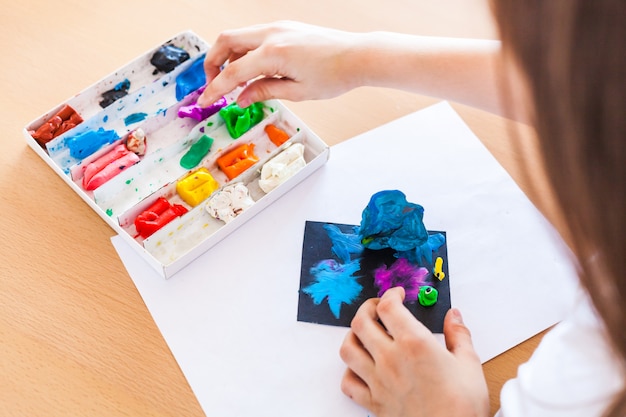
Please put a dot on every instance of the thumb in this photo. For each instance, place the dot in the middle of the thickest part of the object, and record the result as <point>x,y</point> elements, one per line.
<point>458,337</point>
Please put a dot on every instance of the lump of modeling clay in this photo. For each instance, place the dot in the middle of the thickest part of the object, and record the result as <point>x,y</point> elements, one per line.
<point>156,216</point>
<point>238,160</point>
<point>84,144</point>
<point>239,121</point>
<point>191,79</point>
<point>196,187</point>
<point>64,120</point>
<point>136,141</point>
<point>403,274</point>
<point>427,296</point>
<point>229,202</point>
<point>196,152</point>
<point>438,269</point>
<point>198,113</point>
<point>108,166</point>
<point>276,135</point>
<point>111,96</point>
<point>282,167</point>
<point>390,221</point>
<point>168,57</point>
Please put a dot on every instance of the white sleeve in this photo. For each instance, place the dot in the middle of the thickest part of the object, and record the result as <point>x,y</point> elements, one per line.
<point>572,373</point>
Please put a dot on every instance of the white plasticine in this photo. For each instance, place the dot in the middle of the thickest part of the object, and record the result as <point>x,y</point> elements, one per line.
<point>229,202</point>
<point>282,167</point>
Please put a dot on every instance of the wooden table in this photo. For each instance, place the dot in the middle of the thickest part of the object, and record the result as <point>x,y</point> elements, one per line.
<point>75,335</point>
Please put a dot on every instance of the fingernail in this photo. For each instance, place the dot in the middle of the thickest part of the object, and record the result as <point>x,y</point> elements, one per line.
<point>202,101</point>
<point>456,315</point>
<point>243,102</point>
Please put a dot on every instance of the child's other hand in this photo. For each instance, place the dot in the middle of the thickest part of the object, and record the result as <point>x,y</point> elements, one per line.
<point>398,368</point>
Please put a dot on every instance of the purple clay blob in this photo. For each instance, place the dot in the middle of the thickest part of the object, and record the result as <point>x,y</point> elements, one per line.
<point>401,274</point>
<point>198,113</point>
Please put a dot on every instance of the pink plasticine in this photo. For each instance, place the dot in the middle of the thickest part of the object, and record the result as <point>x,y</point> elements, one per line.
<point>108,166</point>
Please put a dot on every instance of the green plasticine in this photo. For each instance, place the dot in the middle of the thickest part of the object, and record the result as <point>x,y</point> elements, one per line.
<point>196,152</point>
<point>427,296</point>
<point>238,121</point>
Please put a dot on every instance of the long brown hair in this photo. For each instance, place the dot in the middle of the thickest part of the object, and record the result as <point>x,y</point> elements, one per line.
<point>573,55</point>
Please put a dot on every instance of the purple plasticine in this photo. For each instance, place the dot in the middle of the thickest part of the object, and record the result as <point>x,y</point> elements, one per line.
<point>200,113</point>
<point>401,274</point>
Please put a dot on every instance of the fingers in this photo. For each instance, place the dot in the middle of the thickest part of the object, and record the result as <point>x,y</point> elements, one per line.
<point>356,357</point>
<point>236,73</point>
<point>284,60</point>
<point>356,389</point>
<point>231,45</point>
<point>368,329</point>
<point>255,65</point>
<point>458,337</point>
<point>269,88</point>
<point>247,59</point>
<point>396,318</point>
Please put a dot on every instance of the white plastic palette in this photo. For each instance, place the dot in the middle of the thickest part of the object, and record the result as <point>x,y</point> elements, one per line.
<point>151,105</point>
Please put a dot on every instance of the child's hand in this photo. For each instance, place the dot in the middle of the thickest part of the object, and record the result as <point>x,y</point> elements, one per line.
<point>398,368</point>
<point>285,60</point>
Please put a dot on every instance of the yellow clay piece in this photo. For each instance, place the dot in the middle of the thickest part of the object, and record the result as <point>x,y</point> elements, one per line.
<point>438,271</point>
<point>196,187</point>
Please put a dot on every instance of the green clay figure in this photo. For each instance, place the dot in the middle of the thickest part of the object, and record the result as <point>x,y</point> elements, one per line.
<point>427,296</point>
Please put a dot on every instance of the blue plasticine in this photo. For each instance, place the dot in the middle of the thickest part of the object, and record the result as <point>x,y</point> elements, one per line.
<point>344,244</point>
<point>84,144</point>
<point>191,79</point>
<point>335,282</point>
<point>134,118</point>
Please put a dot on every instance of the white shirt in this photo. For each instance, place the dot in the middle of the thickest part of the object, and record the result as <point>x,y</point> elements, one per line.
<point>572,373</point>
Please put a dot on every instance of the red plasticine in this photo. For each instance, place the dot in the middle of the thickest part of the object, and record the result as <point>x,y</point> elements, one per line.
<point>156,216</point>
<point>64,120</point>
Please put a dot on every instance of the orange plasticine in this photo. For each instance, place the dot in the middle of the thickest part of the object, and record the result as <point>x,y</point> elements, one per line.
<point>276,135</point>
<point>238,160</point>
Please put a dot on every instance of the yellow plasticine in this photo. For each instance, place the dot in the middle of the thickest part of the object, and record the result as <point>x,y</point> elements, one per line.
<point>196,187</point>
<point>438,271</point>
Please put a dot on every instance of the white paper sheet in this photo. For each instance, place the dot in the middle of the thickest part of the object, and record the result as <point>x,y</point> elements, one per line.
<point>230,317</point>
